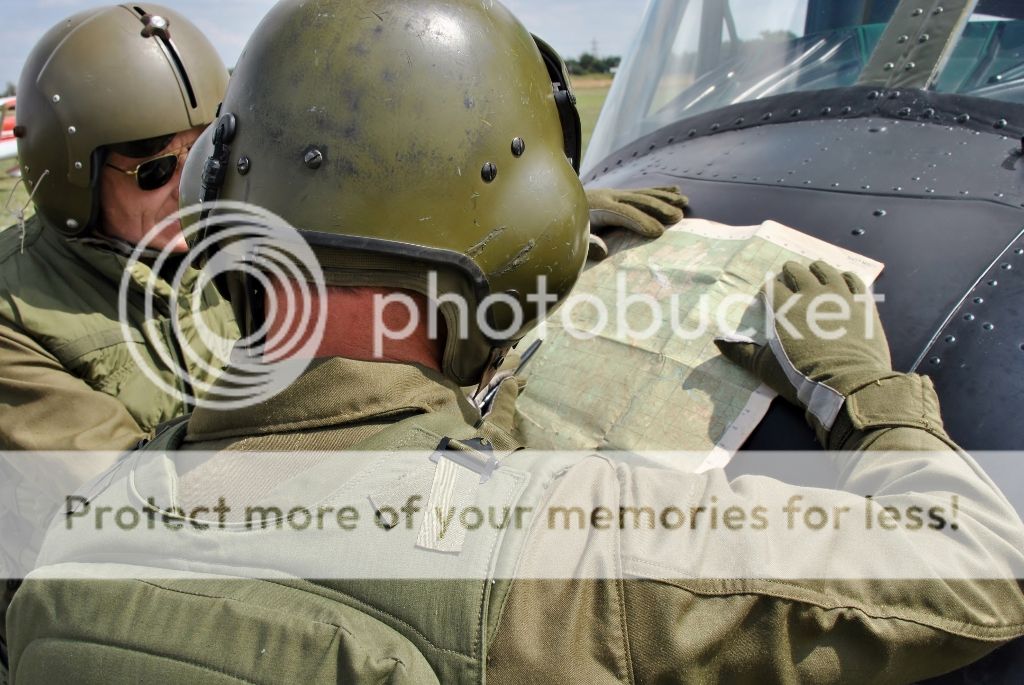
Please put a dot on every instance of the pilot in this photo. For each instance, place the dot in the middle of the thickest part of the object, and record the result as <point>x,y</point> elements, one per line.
<point>478,197</point>
<point>109,103</point>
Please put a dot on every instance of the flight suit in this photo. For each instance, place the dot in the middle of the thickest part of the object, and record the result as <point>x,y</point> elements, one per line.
<point>67,378</point>
<point>647,615</point>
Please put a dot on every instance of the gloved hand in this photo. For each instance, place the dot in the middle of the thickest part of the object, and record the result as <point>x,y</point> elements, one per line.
<point>645,211</point>
<point>816,370</point>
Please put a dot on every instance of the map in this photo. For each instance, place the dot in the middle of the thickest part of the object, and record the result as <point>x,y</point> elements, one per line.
<point>644,375</point>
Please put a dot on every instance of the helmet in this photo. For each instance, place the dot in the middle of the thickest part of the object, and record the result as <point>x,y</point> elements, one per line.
<point>105,76</point>
<point>408,139</point>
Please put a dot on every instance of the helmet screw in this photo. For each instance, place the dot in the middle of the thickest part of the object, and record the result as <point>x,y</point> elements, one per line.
<point>488,172</point>
<point>518,147</point>
<point>72,130</point>
<point>243,165</point>
<point>19,131</point>
<point>56,98</point>
<point>155,25</point>
<point>313,158</point>
<point>78,165</point>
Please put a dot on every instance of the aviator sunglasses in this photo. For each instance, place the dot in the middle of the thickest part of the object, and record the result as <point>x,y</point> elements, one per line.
<point>156,172</point>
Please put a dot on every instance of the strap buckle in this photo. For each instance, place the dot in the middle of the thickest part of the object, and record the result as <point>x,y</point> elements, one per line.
<point>475,454</point>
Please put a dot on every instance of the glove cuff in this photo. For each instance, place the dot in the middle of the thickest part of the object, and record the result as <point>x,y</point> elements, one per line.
<point>900,401</point>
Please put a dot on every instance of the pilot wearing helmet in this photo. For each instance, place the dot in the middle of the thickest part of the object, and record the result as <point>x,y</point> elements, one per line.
<point>110,102</point>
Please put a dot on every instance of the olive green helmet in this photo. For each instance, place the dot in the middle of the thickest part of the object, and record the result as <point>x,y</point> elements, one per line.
<point>105,76</point>
<point>407,138</point>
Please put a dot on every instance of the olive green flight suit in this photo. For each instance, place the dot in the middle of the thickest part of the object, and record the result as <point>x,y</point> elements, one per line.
<point>67,379</point>
<point>643,624</point>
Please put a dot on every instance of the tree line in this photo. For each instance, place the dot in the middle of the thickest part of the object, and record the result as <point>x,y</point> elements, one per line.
<point>592,64</point>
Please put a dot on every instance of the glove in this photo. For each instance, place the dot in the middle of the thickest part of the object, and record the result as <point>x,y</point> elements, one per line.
<point>816,370</point>
<point>645,211</point>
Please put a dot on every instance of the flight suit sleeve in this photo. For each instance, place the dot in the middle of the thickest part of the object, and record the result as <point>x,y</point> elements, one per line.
<point>843,599</point>
<point>905,570</point>
<point>46,408</point>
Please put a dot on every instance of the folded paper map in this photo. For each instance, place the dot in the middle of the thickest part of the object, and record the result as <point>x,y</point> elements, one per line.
<point>629,362</point>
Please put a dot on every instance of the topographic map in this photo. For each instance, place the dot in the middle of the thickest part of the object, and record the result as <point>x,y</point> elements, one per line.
<point>646,376</point>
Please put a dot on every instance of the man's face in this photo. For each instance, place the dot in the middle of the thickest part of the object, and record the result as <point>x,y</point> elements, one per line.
<point>129,213</point>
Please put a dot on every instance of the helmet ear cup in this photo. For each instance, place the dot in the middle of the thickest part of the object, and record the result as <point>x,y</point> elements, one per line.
<point>565,101</point>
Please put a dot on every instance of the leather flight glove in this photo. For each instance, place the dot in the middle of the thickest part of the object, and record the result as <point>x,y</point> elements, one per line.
<point>816,369</point>
<point>645,211</point>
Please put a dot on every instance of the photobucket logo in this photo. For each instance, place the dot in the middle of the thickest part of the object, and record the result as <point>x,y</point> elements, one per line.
<point>635,316</point>
<point>241,240</point>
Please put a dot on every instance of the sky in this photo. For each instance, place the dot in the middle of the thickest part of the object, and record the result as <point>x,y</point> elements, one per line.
<point>570,26</point>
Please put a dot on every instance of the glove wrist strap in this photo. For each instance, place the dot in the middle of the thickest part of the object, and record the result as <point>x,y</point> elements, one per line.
<point>901,401</point>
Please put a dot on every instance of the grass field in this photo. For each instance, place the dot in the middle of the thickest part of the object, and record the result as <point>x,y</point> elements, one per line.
<point>590,94</point>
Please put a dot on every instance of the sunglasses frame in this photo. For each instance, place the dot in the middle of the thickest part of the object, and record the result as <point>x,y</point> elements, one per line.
<point>177,154</point>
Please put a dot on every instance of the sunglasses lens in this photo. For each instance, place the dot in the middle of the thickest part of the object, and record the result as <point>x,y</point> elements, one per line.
<point>157,172</point>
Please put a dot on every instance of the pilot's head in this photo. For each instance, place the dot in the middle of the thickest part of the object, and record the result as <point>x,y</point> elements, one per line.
<point>406,139</point>
<point>109,102</point>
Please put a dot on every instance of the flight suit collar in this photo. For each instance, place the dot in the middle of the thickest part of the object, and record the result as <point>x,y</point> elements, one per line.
<point>110,256</point>
<point>334,392</point>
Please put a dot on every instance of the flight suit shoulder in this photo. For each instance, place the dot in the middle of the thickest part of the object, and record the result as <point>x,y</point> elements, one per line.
<point>13,243</point>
